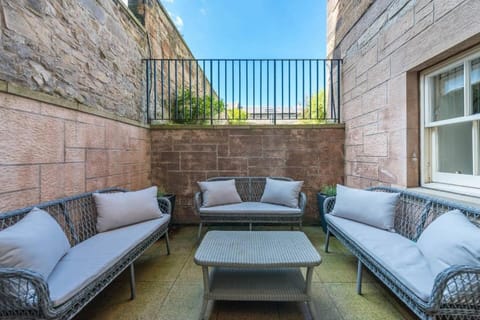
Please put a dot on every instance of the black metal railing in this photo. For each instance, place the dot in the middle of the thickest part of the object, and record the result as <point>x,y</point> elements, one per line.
<point>243,91</point>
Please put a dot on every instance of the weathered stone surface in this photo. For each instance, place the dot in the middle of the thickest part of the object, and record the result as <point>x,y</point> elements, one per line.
<point>313,155</point>
<point>19,199</point>
<point>60,180</point>
<point>15,178</point>
<point>27,138</point>
<point>96,163</point>
<point>84,135</point>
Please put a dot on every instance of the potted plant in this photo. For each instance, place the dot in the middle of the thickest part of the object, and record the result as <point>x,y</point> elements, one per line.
<point>329,190</point>
<point>170,196</point>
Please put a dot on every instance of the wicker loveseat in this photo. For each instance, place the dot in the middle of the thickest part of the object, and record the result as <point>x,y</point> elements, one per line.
<point>454,293</point>
<point>251,210</point>
<point>93,261</point>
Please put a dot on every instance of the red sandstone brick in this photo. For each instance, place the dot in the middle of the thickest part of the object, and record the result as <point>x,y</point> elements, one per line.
<point>60,180</point>
<point>83,135</point>
<point>19,199</point>
<point>10,101</point>
<point>15,178</point>
<point>96,163</point>
<point>74,155</point>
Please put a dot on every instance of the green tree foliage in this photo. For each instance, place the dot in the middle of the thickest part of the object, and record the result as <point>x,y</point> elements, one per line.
<point>315,108</point>
<point>237,116</point>
<point>191,109</point>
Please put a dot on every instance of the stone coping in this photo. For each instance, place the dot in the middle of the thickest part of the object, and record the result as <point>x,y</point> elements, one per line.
<point>246,127</point>
<point>11,88</point>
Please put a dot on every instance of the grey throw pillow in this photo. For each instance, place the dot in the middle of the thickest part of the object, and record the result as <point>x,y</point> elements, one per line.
<point>282,192</point>
<point>369,207</point>
<point>119,209</point>
<point>216,193</point>
<point>450,239</point>
<point>36,242</point>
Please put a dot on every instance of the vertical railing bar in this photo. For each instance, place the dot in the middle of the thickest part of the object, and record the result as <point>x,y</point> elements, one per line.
<point>218,89</point>
<point>176,91</point>
<point>289,91</point>
<point>303,89</point>
<point>233,89</point>
<point>204,92</point>
<point>147,74</point>
<point>211,92</point>
<point>310,87</point>
<point>338,90</point>
<point>254,63</point>
<point>325,88</point>
<point>226,95</point>
<point>239,87</point>
<point>183,89</point>
<point>268,89</point>
<point>274,91</point>
<point>296,89</point>
<point>246,89</point>
<point>282,88</point>
<point>196,96</point>
<point>169,94</point>
<point>332,100</point>
<point>318,92</point>
<point>261,89</point>
<point>154,89</point>
<point>162,82</point>
<point>190,86</point>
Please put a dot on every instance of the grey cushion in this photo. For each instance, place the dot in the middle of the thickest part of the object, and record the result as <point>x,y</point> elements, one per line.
<point>450,239</point>
<point>36,242</point>
<point>87,260</point>
<point>282,192</point>
<point>396,253</point>
<point>250,208</point>
<point>124,208</point>
<point>215,193</point>
<point>370,207</point>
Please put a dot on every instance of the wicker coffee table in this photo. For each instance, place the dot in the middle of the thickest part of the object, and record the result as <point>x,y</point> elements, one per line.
<point>256,266</point>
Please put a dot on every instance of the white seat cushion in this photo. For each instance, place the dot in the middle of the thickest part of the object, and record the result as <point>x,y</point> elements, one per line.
<point>87,260</point>
<point>250,208</point>
<point>396,253</point>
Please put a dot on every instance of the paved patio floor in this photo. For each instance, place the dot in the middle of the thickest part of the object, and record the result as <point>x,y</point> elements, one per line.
<point>170,288</point>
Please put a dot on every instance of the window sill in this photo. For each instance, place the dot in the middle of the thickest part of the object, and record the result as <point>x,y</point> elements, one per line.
<point>467,196</point>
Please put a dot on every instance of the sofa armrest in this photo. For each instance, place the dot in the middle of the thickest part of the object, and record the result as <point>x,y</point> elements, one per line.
<point>197,202</point>
<point>328,205</point>
<point>23,292</point>
<point>302,201</point>
<point>165,205</point>
<point>456,287</point>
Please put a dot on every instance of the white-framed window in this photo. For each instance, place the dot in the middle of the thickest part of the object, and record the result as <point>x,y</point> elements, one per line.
<point>450,123</point>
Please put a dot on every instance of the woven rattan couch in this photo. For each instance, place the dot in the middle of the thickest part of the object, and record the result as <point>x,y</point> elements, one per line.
<point>250,190</point>
<point>453,294</point>
<point>25,294</point>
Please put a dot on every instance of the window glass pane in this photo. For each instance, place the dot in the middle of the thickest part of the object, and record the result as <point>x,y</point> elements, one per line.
<point>447,94</point>
<point>475,82</point>
<point>455,148</point>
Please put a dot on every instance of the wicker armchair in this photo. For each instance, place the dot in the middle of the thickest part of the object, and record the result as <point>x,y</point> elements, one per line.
<point>250,189</point>
<point>456,290</point>
<point>24,294</point>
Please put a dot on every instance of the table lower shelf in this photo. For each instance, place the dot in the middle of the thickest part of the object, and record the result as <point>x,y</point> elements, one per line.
<point>282,284</point>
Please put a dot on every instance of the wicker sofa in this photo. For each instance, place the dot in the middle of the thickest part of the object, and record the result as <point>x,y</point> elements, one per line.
<point>454,293</point>
<point>94,260</point>
<point>251,210</point>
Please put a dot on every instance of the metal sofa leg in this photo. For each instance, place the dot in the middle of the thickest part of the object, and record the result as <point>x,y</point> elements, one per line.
<point>132,282</point>
<point>167,240</point>
<point>327,240</point>
<point>199,231</point>
<point>359,277</point>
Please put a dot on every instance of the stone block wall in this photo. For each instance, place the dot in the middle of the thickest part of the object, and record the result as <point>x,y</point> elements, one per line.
<point>384,45</point>
<point>183,156</point>
<point>48,152</point>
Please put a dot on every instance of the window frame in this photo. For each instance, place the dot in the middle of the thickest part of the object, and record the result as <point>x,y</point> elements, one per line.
<point>429,174</point>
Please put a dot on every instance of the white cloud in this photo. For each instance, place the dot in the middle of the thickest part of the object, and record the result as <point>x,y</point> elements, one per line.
<point>178,22</point>
<point>203,11</point>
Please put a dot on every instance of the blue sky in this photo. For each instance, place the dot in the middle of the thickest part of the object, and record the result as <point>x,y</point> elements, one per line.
<point>251,28</point>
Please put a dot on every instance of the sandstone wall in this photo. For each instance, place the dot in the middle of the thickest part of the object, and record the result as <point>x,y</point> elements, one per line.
<point>181,157</point>
<point>383,51</point>
<point>48,152</point>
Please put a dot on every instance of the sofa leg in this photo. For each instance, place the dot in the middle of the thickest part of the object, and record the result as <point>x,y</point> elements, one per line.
<point>199,231</point>
<point>327,240</point>
<point>132,282</point>
<point>250,226</point>
<point>359,277</point>
<point>167,240</point>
